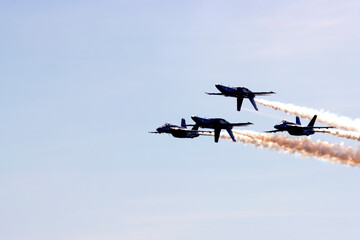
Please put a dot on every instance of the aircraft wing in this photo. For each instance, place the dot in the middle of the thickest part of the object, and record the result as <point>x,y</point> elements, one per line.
<point>240,124</point>
<point>263,93</point>
<point>207,133</point>
<point>196,131</point>
<point>188,130</point>
<point>214,93</point>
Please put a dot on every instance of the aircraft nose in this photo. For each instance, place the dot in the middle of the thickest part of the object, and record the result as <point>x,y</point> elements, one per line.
<point>218,86</point>
<point>159,129</point>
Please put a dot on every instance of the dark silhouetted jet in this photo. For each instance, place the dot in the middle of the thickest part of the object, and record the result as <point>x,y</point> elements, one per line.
<point>240,93</point>
<point>217,124</point>
<point>297,129</point>
<point>180,131</point>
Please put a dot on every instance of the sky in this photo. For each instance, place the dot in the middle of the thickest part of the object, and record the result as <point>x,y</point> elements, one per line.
<point>82,83</point>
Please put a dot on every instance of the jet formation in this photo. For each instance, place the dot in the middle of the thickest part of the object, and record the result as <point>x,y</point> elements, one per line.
<point>218,124</point>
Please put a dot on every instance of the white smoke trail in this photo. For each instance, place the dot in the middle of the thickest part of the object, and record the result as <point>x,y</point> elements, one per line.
<point>344,134</point>
<point>324,117</point>
<point>335,153</point>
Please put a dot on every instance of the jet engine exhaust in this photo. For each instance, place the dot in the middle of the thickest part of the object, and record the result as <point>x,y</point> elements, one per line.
<point>305,147</point>
<point>344,134</point>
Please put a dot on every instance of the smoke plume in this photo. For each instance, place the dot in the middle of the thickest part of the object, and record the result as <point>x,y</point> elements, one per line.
<point>336,153</point>
<point>328,118</point>
<point>344,134</point>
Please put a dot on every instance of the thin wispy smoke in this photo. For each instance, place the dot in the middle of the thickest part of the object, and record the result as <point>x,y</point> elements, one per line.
<point>336,153</point>
<point>344,134</point>
<point>328,118</point>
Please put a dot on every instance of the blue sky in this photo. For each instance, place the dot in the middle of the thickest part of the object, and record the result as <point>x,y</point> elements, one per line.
<point>82,83</point>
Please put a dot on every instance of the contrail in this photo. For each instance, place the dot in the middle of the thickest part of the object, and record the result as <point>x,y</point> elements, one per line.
<point>328,118</point>
<point>336,153</point>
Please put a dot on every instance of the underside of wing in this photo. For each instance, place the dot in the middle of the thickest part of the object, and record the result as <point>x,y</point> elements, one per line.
<point>206,133</point>
<point>197,131</point>
<point>176,128</point>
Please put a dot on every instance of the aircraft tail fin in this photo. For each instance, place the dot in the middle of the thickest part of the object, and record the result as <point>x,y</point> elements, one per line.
<point>253,103</point>
<point>217,134</point>
<point>231,134</point>
<point>312,122</point>
<point>183,123</point>
<point>239,103</point>
<point>298,120</point>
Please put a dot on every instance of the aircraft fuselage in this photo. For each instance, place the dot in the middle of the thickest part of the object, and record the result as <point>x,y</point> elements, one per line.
<point>235,91</point>
<point>176,131</point>
<point>215,123</point>
<point>294,129</point>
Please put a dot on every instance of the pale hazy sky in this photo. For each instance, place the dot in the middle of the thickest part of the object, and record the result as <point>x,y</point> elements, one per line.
<point>82,83</point>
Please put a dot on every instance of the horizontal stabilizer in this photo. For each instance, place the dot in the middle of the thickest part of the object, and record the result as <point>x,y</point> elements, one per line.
<point>274,131</point>
<point>263,93</point>
<point>195,127</point>
<point>240,124</point>
<point>322,131</point>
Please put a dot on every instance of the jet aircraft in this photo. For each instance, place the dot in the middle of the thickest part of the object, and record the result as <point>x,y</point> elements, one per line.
<point>217,124</point>
<point>297,129</point>
<point>180,131</point>
<point>240,93</point>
